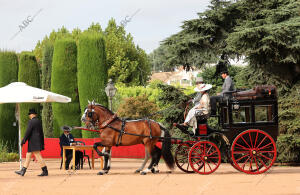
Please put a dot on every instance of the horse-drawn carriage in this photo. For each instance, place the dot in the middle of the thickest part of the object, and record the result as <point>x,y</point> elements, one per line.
<point>249,129</point>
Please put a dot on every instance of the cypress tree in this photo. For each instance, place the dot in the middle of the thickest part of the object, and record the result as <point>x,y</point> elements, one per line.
<point>64,81</point>
<point>8,74</point>
<point>46,85</point>
<point>92,72</point>
<point>29,74</point>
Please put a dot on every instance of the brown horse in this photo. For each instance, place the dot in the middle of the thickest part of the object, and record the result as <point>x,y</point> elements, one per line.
<point>115,131</point>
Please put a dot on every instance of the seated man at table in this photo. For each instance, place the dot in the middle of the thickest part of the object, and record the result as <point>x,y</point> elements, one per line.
<point>67,139</point>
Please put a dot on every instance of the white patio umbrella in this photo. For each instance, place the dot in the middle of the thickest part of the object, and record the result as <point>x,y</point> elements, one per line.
<point>19,92</point>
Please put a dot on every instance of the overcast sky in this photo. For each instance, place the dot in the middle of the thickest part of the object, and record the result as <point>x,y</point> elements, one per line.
<point>154,20</point>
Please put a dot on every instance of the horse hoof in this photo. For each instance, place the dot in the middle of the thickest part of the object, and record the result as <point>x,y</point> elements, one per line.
<point>137,171</point>
<point>154,171</point>
<point>143,173</point>
<point>101,173</point>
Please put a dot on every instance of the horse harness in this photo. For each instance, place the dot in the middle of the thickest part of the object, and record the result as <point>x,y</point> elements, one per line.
<point>122,131</point>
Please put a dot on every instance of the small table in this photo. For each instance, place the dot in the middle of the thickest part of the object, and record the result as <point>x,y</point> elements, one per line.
<point>80,147</point>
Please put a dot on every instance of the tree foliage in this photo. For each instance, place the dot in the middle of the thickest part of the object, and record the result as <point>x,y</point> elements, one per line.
<point>8,74</point>
<point>92,72</point>
<point>64,81</point>
<point>127,62</point>
<point>267,33</point>
<point>29,73</point>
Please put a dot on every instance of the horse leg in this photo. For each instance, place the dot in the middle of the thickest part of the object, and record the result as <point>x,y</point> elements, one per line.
<point>105,154</point>
<point>147,156</point>
<point>107,159</point>
<point>156,154</point>
<point>149,148</point>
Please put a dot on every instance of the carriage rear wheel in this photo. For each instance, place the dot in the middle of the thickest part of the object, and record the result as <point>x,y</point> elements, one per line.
<point>204,157</point>
<point>182,156</point>
<point>253,151</point>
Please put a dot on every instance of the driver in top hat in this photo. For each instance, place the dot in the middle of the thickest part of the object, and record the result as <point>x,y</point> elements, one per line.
<point>35,137</point>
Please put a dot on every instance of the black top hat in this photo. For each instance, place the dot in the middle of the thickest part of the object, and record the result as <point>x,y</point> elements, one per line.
<point>224,72</point>
<point>66,128</point>
<point>32,111</point>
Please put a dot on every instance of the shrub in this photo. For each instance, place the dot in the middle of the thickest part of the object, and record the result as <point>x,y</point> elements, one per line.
<point>47,116</point>
<point>5,155</point>
<point>288,148</point>
<point>64,81</point>
<point>289,115</point>
<point>29,74</point>
<point>138,107</point>
<point>92,72</point>
<point>8,74</point>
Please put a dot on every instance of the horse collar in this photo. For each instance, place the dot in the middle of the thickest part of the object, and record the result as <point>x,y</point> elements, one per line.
<point>108,121</point>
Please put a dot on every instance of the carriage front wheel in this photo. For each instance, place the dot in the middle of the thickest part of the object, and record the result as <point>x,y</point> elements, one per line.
<point>182,156</point>
<point>204,157</point>
<point>253,151</point>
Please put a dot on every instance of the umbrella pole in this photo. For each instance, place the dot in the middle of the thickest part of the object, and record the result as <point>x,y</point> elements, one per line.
<point>20,147</point>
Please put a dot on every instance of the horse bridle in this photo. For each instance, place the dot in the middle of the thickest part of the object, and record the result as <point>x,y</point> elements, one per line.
<point>90,114</point>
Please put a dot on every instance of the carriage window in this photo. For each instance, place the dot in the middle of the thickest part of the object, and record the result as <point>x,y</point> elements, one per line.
<point>241,115</point>
<point>263,113</point>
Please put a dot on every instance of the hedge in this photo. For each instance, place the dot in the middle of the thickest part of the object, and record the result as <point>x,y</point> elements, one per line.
<point>8,74</point>
<point>29,74</point>
<point>64,82</point>
<point>92,72</point>
<point>47,116</point>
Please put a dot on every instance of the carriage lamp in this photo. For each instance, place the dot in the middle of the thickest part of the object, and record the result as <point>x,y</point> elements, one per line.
<point>110,91</point>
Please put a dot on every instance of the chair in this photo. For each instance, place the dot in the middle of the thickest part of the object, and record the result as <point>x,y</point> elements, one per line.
<point>84,155</point>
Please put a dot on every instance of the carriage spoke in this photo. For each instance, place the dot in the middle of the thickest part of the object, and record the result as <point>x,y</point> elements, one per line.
<point>242,157</point>
<point>256,163</point>
<point>250,139</point>
<point>209,149</point>
<point>265,157</point>
<point>200,166</point>
<point>212,153</point>
<point>213,163</point>
<point>250,167</point>
<point>256,139</point>
<point>262,162</point>
<point>261,141</point>
<point>242,147</point>
<point>209,166</point>
<point>245,141</point>
<point>265,146</point>
<point>245,162</point>
<point>240,152</point>
<point>272,151</point>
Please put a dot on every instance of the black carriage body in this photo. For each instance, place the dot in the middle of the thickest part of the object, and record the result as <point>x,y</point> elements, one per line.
<point>236,116</point>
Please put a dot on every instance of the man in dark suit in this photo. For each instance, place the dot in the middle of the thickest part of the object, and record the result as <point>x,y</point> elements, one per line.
<point>35,137</point>
<point>227,86</point>
<point>67,139</point>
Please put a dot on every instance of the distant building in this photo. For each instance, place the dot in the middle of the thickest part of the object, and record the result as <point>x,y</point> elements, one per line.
<point>180,76</point>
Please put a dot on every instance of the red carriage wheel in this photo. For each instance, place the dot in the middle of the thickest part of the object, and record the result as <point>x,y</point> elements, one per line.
<point>253,151</point>
<point>182,156</point>
<point>204,157</point>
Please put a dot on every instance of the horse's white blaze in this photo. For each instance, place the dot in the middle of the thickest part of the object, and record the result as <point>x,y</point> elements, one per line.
<point>84,115</point>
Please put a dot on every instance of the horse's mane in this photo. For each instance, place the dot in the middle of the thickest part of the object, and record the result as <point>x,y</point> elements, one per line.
<point>100,105</point>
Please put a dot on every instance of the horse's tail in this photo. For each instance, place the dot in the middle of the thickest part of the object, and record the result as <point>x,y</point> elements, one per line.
<point>166,150</point>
